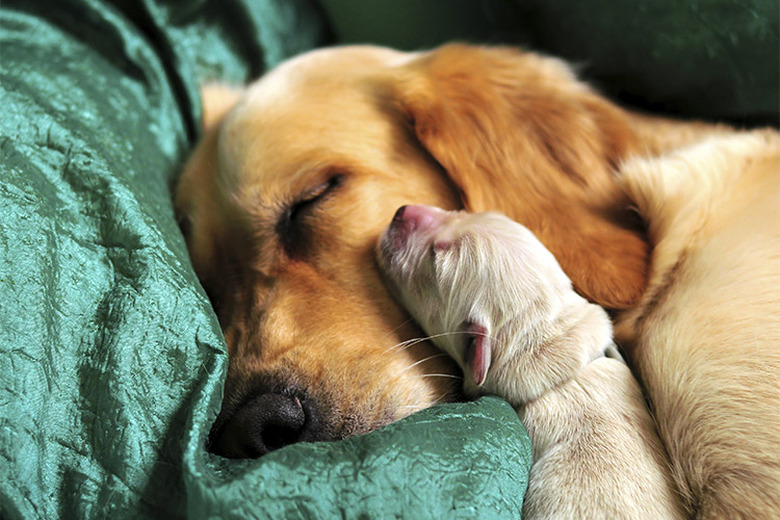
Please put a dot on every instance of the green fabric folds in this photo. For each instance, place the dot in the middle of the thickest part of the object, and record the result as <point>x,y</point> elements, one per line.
<point>111,359</point>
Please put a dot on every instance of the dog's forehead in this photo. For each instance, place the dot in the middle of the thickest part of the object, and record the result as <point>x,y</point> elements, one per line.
<point>331,62</point>
<point>311,106</point>
<point>333,72</point>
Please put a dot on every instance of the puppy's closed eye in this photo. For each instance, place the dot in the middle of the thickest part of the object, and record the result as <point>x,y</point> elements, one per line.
<point>291,226</point>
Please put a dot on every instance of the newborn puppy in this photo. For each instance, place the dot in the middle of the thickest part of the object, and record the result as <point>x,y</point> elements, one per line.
<point>495,299</point>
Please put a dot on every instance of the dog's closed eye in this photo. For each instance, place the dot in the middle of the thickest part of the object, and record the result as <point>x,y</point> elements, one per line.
<point>291,225</point>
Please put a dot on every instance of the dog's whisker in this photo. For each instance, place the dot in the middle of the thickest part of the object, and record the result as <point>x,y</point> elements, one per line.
<point>405,344</point>
<point>441,397</point>
<point>418,407</point>
<point>402,343</point>
<point>414,341</point>
<point>450,376</point>
<point>422,361</point>
<point>406,321</point>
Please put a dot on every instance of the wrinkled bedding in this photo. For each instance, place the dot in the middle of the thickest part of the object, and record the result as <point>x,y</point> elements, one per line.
<point>111,358</point>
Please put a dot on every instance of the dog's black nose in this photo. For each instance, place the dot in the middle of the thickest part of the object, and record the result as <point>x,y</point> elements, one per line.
<point>264,423</point>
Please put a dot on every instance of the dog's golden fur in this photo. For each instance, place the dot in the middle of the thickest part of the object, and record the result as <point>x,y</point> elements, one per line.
<point>297,175</point>
<point>705,337</point>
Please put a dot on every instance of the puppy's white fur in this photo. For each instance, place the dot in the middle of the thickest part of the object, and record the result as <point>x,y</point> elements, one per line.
<point>595,449</point>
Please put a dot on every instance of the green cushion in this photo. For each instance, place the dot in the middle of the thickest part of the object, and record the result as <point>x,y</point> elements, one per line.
<point>111,359</point>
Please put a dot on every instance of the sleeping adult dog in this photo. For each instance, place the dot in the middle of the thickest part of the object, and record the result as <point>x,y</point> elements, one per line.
<point>297,175</point>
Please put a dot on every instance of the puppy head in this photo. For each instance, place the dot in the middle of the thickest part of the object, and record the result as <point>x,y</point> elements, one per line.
<point>481,285</point>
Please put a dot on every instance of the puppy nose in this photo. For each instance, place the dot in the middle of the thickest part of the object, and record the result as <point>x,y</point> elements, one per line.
<point>399,214</point>
<point>263,424</point>
<point>414,217</point>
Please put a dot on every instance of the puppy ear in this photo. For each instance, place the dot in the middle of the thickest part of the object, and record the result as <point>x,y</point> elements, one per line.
<point>517,133</point>
<point>478,353</point>
<point>217,99</point>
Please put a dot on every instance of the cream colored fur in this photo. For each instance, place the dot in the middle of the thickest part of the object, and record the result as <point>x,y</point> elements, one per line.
<point>595,449</point>
<point>706,335</point>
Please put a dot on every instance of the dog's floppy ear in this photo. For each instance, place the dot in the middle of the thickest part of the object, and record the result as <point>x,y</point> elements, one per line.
<point>478,353</point>
<point>517,133</point>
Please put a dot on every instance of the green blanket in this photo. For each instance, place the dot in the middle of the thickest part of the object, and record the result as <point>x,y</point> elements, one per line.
<point>111,359</point>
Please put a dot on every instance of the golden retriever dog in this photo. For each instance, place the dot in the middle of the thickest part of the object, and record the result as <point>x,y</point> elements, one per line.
<point>494,298</point>
<point>297,174</point>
